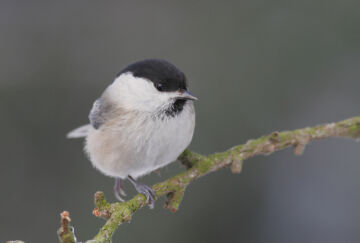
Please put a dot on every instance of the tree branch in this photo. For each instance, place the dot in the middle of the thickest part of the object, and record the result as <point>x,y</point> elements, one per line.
<point>66,232</point>
<point>199,165</point>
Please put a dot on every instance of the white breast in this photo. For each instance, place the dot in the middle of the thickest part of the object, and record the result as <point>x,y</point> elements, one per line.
<point>140,144</point>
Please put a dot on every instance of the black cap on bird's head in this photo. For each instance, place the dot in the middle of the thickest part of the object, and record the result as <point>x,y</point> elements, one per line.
<point>165,76</point>
<point>151,85</point>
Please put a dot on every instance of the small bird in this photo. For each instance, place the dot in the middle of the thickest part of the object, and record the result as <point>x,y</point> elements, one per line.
<point>142,121</point>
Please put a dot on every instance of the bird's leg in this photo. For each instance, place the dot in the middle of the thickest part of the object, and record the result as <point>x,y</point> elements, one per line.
<point>144,189</point>
<point>118,189</point>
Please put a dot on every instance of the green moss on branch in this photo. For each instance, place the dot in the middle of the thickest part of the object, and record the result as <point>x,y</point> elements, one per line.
<point>199,165</point>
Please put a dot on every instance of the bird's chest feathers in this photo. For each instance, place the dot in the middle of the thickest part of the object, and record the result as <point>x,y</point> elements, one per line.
<point>140,144</point>
<point>162,138</point>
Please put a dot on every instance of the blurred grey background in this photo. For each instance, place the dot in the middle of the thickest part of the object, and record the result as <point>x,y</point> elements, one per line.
<point>256,65</point>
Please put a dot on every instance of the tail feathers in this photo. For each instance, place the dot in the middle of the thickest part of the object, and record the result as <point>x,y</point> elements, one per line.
<point>79,132</point>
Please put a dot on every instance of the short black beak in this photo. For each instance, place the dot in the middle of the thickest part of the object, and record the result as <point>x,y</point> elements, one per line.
<point>187,95</point>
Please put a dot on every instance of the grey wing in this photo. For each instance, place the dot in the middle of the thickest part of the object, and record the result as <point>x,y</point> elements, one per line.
<point>98,116</point>
<point>98,112</point>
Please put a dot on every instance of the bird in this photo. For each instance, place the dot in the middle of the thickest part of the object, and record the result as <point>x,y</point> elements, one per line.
<point>141,122</point>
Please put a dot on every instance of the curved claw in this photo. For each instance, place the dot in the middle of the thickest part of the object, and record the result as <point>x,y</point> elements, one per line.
<point>149,194</point>
<point>118,197</point>
<point>118,189</point>
<point>146,190</point>
<point>122,192</point>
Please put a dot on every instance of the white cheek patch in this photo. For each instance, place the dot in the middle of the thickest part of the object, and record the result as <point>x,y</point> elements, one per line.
<point>136,93</point>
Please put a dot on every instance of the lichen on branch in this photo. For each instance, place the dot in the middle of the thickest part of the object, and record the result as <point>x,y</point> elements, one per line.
<point>66,233</point>
<point>198,165</point>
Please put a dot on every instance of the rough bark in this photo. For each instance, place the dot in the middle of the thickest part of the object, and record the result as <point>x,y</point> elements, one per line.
<point>199,165</point>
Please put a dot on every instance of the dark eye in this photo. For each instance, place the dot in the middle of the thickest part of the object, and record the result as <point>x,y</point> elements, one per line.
<point>159,86</point>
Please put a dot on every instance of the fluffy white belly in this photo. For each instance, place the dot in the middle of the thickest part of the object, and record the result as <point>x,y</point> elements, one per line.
<point>140,144</point>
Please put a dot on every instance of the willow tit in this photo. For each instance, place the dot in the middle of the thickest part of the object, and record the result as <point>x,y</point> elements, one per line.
<point>143,121</point>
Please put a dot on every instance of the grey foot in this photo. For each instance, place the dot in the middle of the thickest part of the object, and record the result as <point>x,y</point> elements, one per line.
<point>144,189</point>
<point>118,189</point>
